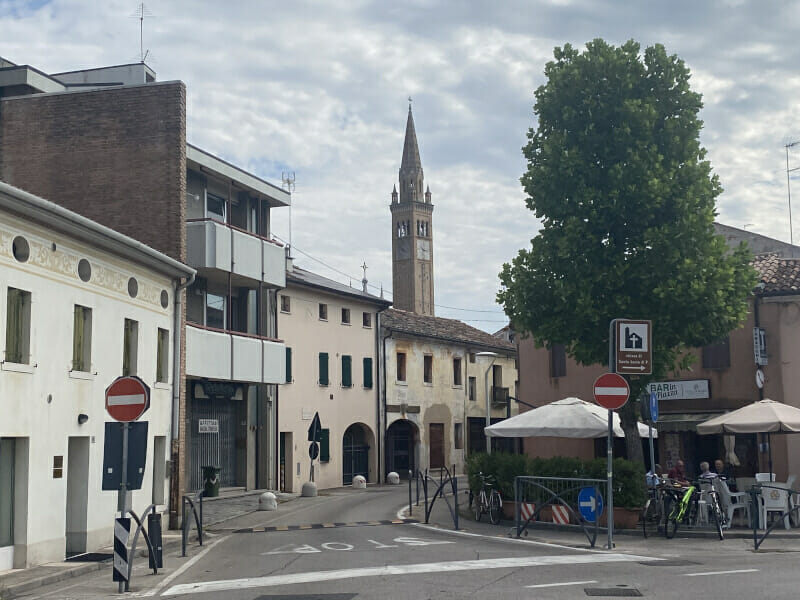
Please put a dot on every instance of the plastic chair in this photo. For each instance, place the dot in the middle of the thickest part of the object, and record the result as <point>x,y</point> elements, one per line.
<point>732,501</point>
<point>765,477</point>
<point>775,500</point>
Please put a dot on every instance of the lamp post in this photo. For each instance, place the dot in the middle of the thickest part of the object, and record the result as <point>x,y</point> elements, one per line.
<point>789,192</point>
<point>494,356</point>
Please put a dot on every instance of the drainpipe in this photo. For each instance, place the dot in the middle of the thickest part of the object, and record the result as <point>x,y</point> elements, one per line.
<point>383,391</point>
<point>379,390</point>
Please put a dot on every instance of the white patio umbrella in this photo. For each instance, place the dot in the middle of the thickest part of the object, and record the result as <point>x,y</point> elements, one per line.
<point>764,416</point>
<point>570,418</point>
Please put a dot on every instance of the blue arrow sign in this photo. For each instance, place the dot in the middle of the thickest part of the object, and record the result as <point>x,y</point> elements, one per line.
<point>653,407</point>
<point>590,504</point>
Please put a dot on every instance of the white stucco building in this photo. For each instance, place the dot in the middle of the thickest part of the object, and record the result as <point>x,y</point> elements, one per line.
<point>331,336</point>
<point>80,305</point>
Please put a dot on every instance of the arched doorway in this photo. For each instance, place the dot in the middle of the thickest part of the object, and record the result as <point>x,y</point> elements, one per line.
<point>401,440</point>
<point>355,448</point>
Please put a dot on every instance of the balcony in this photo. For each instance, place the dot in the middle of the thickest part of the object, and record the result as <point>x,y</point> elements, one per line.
<point>216,354</point>
<point>214,245</point>
<point>499,396</point>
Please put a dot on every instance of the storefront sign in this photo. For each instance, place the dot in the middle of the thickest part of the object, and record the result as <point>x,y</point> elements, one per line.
<point>209,426</point>
<point>680,390</point>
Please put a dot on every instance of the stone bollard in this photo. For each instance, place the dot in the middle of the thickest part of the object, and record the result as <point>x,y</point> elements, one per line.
<point>393,478</point>
<point>267,501</point>
<point>359,483</point>
<point>309,489</point>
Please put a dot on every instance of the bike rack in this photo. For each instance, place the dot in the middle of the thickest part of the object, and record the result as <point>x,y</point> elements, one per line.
<point>439,492</point>
<point>132,553</point>
<point>545,484</point>
<point>755,494</point>
<point>193,500</point>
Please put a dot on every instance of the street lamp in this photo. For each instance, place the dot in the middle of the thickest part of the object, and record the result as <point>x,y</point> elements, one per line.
<point>789,192</point>
<point>494,356</point>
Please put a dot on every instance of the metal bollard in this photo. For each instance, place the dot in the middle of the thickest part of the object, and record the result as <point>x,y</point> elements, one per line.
<point>409,493</point>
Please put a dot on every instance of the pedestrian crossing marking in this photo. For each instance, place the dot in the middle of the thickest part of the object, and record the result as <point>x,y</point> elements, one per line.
<point>324,526</point>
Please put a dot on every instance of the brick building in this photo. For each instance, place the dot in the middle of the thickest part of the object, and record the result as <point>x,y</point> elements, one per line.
<point>110,144</point>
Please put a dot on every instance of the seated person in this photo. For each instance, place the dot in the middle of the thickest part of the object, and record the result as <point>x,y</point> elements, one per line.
<point>677,473</point>
<point>705,472</point>
<point>725,472</point>
<point>654,477</point>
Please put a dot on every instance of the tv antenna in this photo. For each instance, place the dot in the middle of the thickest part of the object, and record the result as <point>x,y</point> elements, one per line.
<point>142,12</point>
<point>287,183</point>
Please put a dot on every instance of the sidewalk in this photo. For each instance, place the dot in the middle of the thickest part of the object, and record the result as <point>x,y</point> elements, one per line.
<point>229,504</point>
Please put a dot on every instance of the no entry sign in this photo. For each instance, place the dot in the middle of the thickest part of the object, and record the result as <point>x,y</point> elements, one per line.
<point>611,391</point>
<point>127,399</point>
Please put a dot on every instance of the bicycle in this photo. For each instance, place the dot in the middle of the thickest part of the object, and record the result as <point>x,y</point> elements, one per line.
<point>653,511</point>
<point>492,504</point>
<point>680,506</point>
<point>715,512</point>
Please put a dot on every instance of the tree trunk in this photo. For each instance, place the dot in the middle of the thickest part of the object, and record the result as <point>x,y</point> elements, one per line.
<point>633,443</point>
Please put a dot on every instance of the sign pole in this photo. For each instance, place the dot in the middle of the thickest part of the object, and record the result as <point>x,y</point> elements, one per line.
<point>652,451</point>
<point>122,501</point>
<point>612,368</point>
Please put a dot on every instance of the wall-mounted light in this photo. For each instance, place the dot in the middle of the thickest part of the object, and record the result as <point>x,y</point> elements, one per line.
<point>82,418</point>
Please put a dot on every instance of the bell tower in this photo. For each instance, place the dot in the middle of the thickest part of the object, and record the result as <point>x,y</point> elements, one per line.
<point>412,232</point>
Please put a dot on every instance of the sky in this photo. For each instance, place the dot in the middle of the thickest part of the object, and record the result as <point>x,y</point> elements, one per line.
<point>320,90</point>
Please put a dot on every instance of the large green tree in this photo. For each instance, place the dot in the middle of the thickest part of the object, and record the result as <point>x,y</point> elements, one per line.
<point>626,198</point>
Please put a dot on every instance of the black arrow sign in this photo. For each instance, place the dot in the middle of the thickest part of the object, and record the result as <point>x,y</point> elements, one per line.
<point>315,430</point>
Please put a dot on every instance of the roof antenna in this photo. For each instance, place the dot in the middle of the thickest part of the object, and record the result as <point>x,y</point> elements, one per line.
<point>141,13</point>
<point>287,183</point>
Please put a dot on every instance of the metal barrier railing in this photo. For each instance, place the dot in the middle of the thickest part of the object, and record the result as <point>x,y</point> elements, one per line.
<point>756,494</point>
<point>194,501</point>
<point>446,479</point>
<point>155,557</point>
<point>555,491</point>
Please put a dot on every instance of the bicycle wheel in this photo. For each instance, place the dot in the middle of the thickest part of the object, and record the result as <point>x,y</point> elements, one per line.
<point>671,509</point>
<point>479,506</point>
<point>495,507</point>
<point>716,515</point>
<point>650,518</point>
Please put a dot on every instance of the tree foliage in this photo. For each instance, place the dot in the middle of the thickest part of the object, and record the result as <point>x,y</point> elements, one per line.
<point>626,198</point>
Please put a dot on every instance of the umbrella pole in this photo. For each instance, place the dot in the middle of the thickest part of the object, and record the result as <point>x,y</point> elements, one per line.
<point>769,448</point>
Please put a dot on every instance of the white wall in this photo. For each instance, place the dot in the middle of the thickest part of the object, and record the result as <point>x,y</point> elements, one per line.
<point>42,401</point>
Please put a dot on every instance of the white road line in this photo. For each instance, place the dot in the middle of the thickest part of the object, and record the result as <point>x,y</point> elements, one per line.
<point>389,570</point>
<point>720,572</point>
<point>546,585</point>
<point>170,578</point>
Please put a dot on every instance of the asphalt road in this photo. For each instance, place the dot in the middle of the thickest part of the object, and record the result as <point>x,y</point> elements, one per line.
<point>333,557</point>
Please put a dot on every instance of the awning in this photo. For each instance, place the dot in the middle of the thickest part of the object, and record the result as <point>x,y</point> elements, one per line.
<point>683,421</point>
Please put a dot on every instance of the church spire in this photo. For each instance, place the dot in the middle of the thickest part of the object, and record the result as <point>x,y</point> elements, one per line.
<point>411,175</point>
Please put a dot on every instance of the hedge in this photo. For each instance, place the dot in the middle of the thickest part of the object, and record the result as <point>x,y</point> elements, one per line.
<point>629,477</point>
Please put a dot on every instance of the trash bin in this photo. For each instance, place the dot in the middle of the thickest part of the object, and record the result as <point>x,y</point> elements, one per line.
<point>210,481</point>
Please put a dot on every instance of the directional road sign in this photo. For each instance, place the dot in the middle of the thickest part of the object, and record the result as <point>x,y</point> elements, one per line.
<point>634,348</point>
<point>315,429</point>
<point>611,391</point>
<point>653,407</point>
<point>590,504</point>
<point>127,399</point>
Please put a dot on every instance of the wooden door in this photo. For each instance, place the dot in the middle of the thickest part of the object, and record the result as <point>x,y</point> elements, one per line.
<point>437,445</point>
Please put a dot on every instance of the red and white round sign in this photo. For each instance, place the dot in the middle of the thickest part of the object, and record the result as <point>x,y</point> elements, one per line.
<point>127,398</point>
<point>611,391</point>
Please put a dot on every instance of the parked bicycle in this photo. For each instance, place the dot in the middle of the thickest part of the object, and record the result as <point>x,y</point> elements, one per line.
<point>488,500</point>
<point>682,505</point>
<point>653,511</point>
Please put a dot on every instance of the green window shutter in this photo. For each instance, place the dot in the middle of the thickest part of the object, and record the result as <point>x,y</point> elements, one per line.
<point>324,445</point>
<point>288,365</point>
<point>347,371</point>
<point>323,368</point>
<point>368,373</point>
<point>14,326</point>
<point>77,340</point>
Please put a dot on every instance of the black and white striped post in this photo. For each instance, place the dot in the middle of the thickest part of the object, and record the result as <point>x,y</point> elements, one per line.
<point>122,531</point>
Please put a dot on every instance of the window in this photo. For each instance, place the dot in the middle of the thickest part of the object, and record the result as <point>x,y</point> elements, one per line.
<point>323,368</point>
<point>215,311</point>
<point>427,370</point>
<point>285,304</point>
<point>323,312</point>
<point>458,434</point>
<point>497,375</point>
<point>717,355</point>
<point>18,326</point>
<point>367,373</point>
<point>347,371</point>
<point>558,360</point>
<point>130,347</point>
<point>162,356</point>
<point>366,319</point>
<point>472,357</point>
<point>471,383</point>
<point>288,365</point>
<point>82,339</point>
<point>401,366</point>
<point>215,207</point>
<point>324,445</point>
<point>345,316</point>
<point>457,371</point>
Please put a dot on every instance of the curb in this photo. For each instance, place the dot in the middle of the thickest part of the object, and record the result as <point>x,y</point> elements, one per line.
<point>16,589</point>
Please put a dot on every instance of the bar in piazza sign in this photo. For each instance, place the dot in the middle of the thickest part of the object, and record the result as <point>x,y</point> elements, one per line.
<point>680,390</point>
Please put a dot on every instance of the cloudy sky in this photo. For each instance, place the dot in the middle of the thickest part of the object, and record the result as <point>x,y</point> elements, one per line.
<point>320,89</point>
